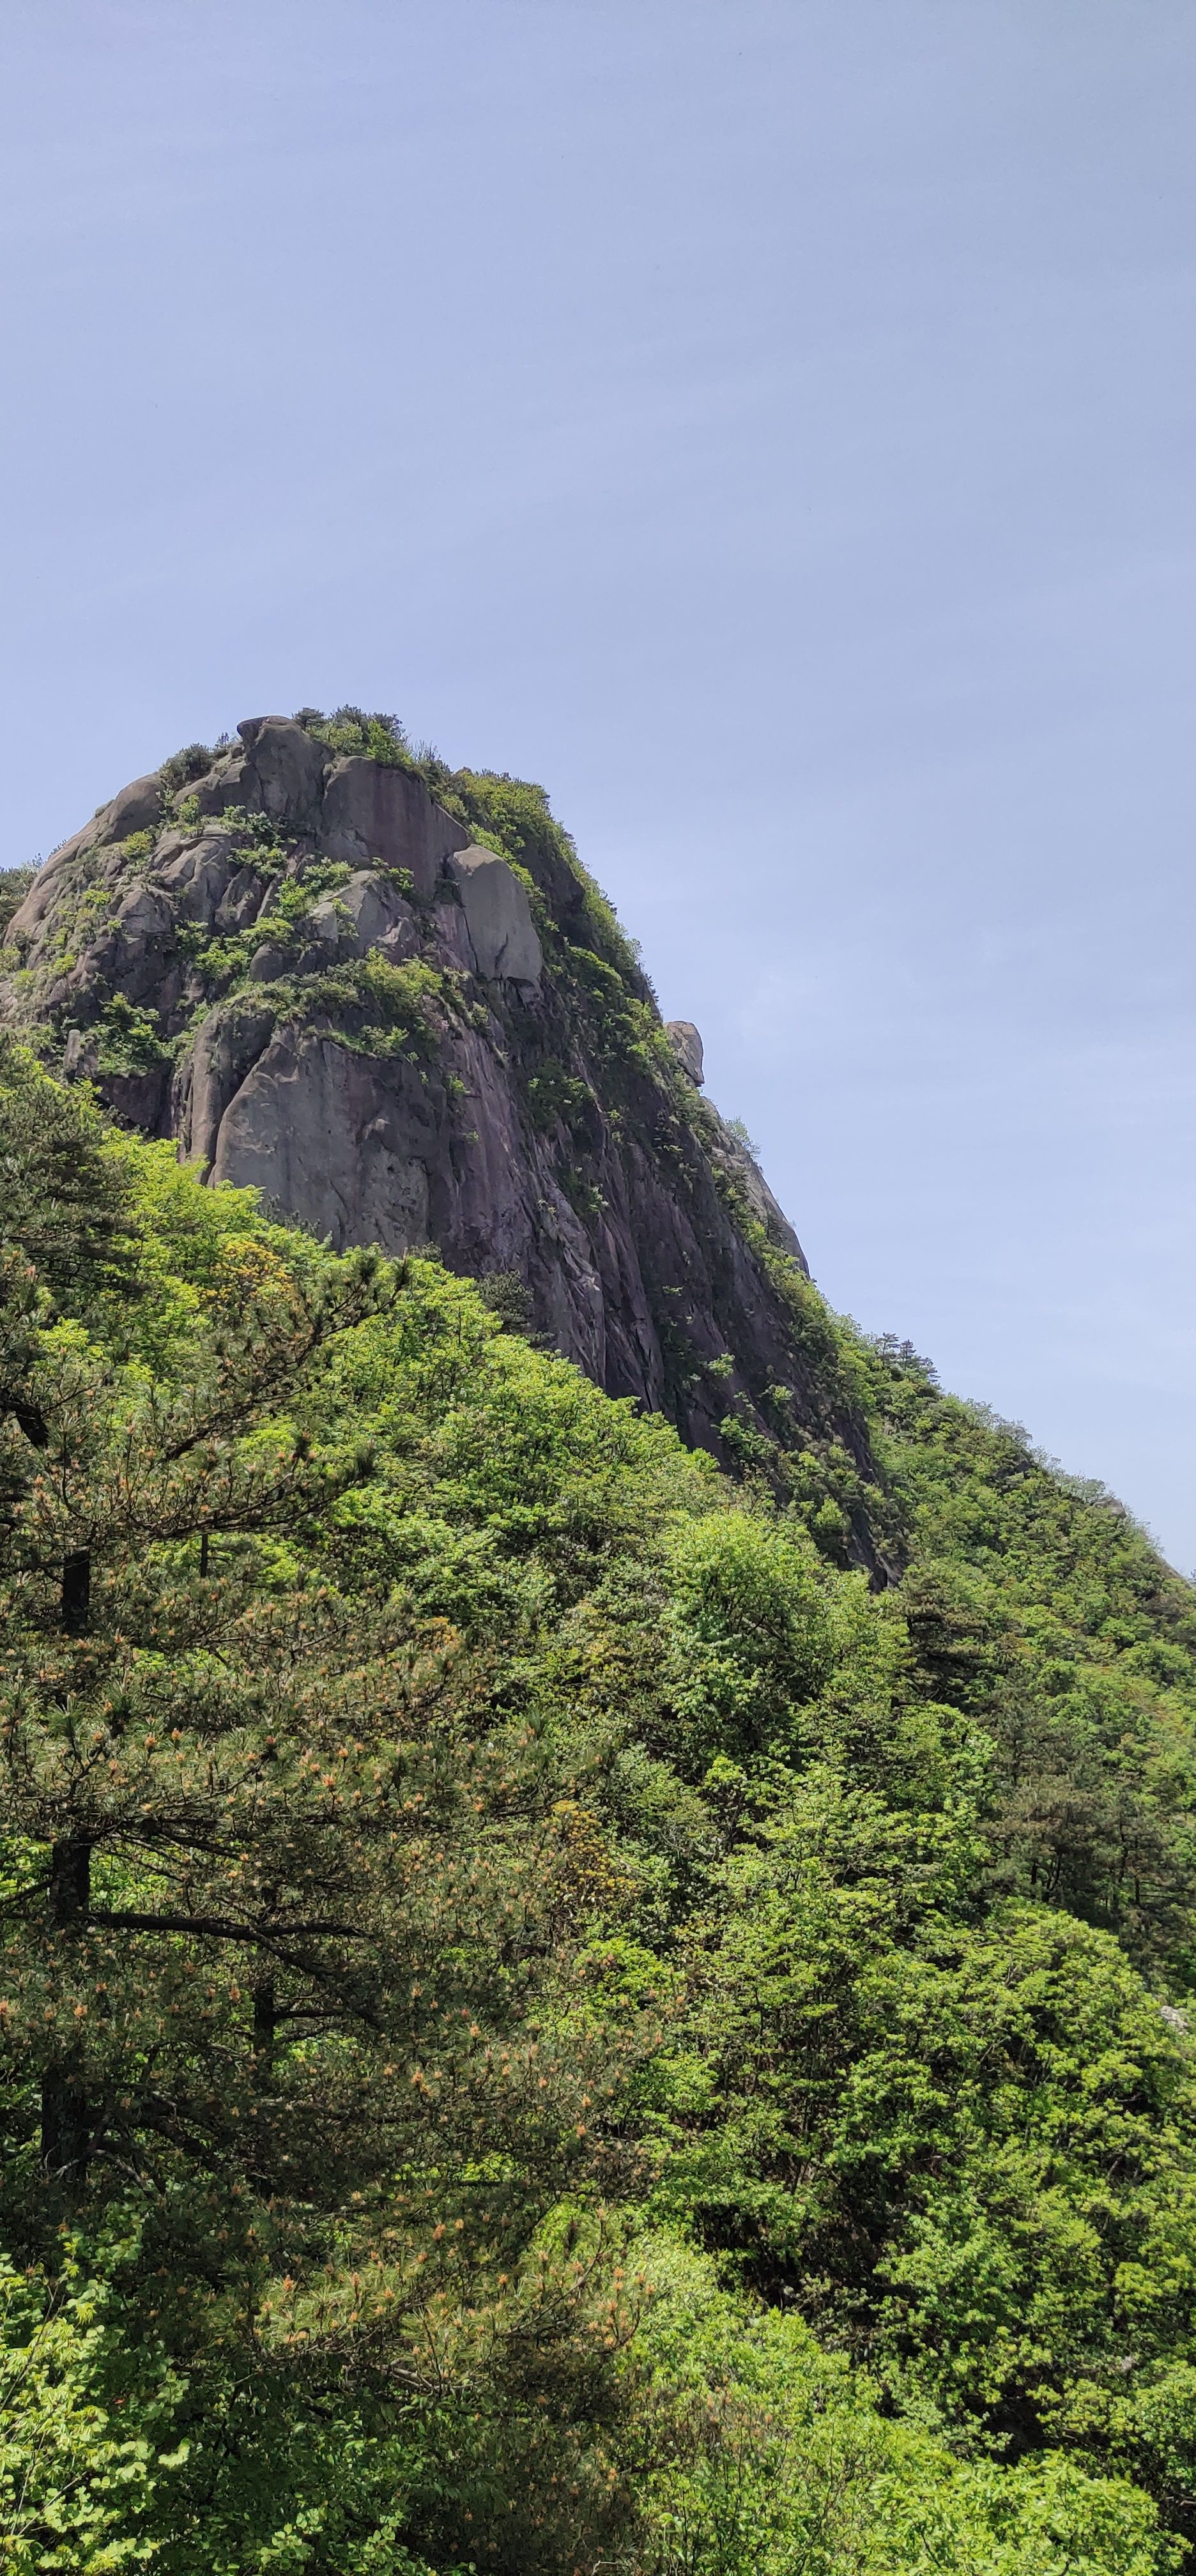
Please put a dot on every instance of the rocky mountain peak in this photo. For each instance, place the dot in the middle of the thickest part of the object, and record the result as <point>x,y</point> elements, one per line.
<point>389,997</point>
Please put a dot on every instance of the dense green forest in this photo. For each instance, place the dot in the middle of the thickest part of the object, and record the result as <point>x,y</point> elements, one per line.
<point>547,2025</point>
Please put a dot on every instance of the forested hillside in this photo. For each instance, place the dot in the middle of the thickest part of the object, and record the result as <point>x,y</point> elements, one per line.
<point>550,2024</point>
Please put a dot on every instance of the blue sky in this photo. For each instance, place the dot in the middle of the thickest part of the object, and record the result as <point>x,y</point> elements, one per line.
<point>772,427</point>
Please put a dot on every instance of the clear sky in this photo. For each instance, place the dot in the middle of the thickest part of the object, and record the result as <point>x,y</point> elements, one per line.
<point>771,424</point>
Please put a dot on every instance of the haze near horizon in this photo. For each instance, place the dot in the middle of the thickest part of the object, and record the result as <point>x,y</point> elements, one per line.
<point>770,426</point>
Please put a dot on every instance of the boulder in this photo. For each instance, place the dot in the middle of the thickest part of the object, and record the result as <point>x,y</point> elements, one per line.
<point>368,912</point>
<point>498,917</point>
<point>373,813</point>
<point>270,961</point>
<point>49,883</point>
<point>453,942</point>
<point>687,1047</point>
<point>143,916</point>
<point>138,808</point>
<point>313,1126</point>
<point>129,954</point>
<point>326,924</point>
<point>283,771</point>
<point>279,772</point>
<point>247,895</point>
<point>67,868</point>
<point>196,875</point>
<point>80,1056</point>
<point>226,1047</point>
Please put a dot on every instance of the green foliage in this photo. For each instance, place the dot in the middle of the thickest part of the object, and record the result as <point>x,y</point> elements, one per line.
<point>14,886</point>
<point>128,1040</point>
<point>291,901</point>
<point>378,1008</point>
<point>503,1291</point>
<point>350,729</point>
<point>259,842</point>
<point>553,1095</point>
<point>544,2023</point>
<point>1035,1605</point>
<point>753,1630</point>
<point>137,845</point>
<point>285,926</point>
<point>510,815</point>
<point>75,2483</point>
<point>764,2453</point>
<point>191,762</point>
<point>65,1194</point>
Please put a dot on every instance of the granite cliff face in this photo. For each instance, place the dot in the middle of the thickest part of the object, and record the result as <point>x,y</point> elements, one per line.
<point>408,1017</point>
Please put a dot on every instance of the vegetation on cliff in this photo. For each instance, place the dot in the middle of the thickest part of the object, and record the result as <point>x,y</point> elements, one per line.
<point>275,952</point>
<point>566,2031</point>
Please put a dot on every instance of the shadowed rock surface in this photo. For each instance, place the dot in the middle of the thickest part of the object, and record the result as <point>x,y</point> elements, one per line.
<point>323,979</point>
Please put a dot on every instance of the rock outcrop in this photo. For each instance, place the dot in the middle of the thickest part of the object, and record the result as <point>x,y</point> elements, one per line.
<point>687,1047</point>
<point>313,973</point>
<point>498,918</point>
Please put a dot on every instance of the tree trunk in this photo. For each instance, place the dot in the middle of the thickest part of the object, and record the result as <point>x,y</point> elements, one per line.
<point>66,2127</point>
<point>76,1592</point>
<point>65,2123</point>
<point>69,1901</point>
<point>263,2029</point>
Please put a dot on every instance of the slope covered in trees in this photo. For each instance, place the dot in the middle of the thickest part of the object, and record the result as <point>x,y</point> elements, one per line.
<point>545,2024</point>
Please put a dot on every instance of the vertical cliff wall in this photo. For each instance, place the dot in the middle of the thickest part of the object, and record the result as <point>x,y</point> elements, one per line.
<point>409,1017</point>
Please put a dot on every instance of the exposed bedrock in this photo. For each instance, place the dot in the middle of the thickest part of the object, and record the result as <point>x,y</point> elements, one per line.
<point>321,982</point>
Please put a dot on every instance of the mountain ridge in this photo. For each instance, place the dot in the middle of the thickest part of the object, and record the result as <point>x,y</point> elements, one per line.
<point>389,996</point>
<point>552,2020</point>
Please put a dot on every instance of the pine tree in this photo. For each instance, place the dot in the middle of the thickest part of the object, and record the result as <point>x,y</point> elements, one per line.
<point>133,1734</point>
